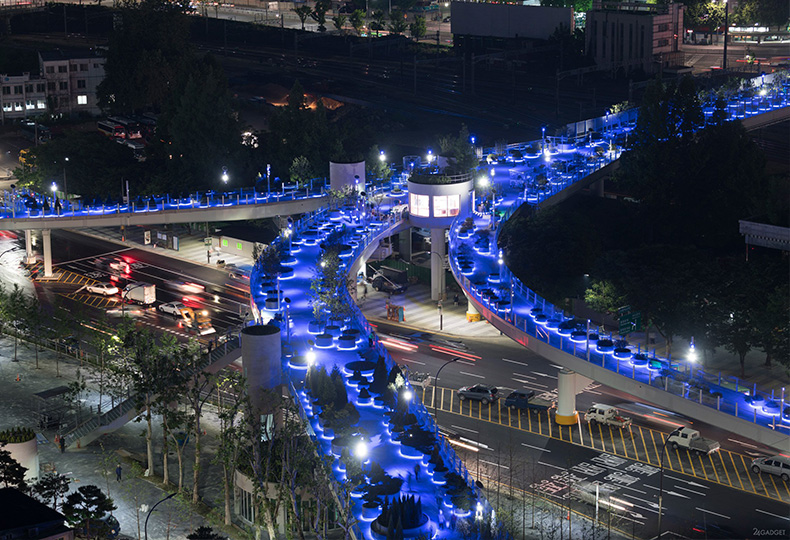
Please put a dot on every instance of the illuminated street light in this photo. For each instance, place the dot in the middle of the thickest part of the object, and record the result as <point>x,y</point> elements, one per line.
<point>361,450</point>
<point>53,187</point>
<point>225,176</point>
<point>407,395</point>
<point>692,351</point>
<point>310,357</point>
<point>382,156</point>
<point>429,158</point>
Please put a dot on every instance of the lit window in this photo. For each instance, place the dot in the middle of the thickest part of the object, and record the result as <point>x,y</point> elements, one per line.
<point>41,104</point>
<point>17,105</point>
<point>453,205</point>
<point>238,246</point>
<point>224,243</point>
<point>419,205</point>
<point>29,104</point>
<point>82,100</point>
<point>440,206</point>
<point>7,107</point>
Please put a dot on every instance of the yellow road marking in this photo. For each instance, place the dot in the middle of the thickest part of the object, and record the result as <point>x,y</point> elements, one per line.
<point>714,468</point>
<point>680,462</point>
<point>728,472</point>
<point>592,440</point>
<point>775,488</point>
<point>644,444</point>
<point>702,465</point>
<point>738,475</point>
<point>622,439</point>
<point>654,445</point>
<point>691,462</point>
<point>600,431</point>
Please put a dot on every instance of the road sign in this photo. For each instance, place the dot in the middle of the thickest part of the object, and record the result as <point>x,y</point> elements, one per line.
<point>631,321</point>
<point>207,242</point>
<point>147,237</point>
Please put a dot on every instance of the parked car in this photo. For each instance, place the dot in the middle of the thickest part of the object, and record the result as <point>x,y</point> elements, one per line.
<point>104,288</point>
<point>381,283</point>
<point>691,440</point>
<point>526,400</point>
<point>479,392</point>
<point>172,308</point>
<point>776,465</point>
<point>606,414</point>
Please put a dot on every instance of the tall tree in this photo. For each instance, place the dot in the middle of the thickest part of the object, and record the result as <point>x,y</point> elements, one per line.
<point>319,13</point>
<point>51,487</point>
<point>357,21</point>
<point>85,508</point>
<point>199,386</point>
<point>231,399</point>
<point>12,473</point>
<point>303,12</point>
<point>418,28</point>
<point>398,23</point>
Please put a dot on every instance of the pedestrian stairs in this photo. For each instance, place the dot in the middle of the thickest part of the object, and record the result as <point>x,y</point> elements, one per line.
<point>127,410</point>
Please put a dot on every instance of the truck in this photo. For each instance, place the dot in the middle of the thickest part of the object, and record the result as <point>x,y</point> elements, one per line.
<point>526,400</point>
<point>198,322</point>
<point>140,293</point>
<point>606,414</point>
<point>690,439</point>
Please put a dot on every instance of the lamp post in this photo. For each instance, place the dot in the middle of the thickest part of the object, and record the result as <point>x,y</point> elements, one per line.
<point>152,509</point>
<point>726,28</point>
<point>225,177</point>
<point>661,480</point>
<point>65,185</point>
<point>435,408</point>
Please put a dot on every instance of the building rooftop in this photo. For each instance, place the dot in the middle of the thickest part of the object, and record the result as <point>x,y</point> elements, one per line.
<point>70,54</point>
<point>21,511</point>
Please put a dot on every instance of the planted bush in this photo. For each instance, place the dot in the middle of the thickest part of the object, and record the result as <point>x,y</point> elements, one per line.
<point>17,435</point>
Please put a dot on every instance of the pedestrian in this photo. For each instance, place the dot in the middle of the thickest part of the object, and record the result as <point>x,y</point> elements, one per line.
<point>62,444</point>
<point>455,299</point>
<point>210,345</point>
<point>417,471</point>
<point>118,471</point>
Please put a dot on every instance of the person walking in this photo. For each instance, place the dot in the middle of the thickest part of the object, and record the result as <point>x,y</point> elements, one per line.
<point>118,472</point>
<point>455,299</point>
<point>62,444</point>
<point>417,471</point>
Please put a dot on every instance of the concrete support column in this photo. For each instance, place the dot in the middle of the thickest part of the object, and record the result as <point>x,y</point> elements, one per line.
<point>404,244</point>
<point>30,257</point>
<point>472,315</point>
<point>566,398</point>
<point>598,188</point>
<point>47,249</point>
<point>261,361</point>
<point>437,263</point>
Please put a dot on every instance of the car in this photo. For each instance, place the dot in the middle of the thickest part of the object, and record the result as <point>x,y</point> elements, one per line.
<point>70,344</point>
<point>105,527</point>
<point>480,392</point>
<point>113,264</point>
<point>446,19</point>
<point>172,308</point>
<point>381,283</point>
<point>104,288</point>
<point>776,465</point>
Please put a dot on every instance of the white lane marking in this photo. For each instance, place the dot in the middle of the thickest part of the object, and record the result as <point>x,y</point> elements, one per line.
<point>736,441</point>
<point>551,465</point>
<point>593,392</point>
<point>467,363</point>
<point>556,366</point>
<point>774,515</point>
<point>522,375</point>
<point>525,383</point>
<point>637,490</point>
<point>514,362</point>
<point>710,512</point>
<point>539,373</point>
<point>472,374</point>
<point>691,490</point>
<point>535,447</point>
<point>464,428</point>
<point>413,361</point>
<point>494,464</point>
<point>689,482</point>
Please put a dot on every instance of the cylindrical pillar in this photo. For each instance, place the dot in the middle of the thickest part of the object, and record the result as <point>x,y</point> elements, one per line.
<point>437,263</point>
<point>261,360</point>
<point>566,398</point>
<point>472,315</point>
<point>30,257</point>
<point>47,248</point>
<point>404,244</point>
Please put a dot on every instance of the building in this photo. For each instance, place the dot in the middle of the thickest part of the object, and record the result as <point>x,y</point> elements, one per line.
<point>635,35</point>
<point>22,96</point>
<point>23,516</point>
<point>72,78</point>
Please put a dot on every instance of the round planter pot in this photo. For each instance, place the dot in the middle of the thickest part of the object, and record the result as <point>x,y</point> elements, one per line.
<point>324,341</point>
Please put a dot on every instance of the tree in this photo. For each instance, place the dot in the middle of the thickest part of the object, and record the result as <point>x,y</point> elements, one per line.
<point>397,24</point>
<point>604,297</point>
<point>418,28</point>
<point>460,150</point>
<point>376,168</point>
<point>12,473</point>
<point>379,21</point>
<point>339,22</point>
<point>318,13</point>
<point>301,172</point>
<point>303,12</point>
<point>85,508</point>
<point>198,392</point>
<point>172,388</point>
<point>232,388</point>
<point>37,319</point>
<point>51,488</point>
<point>204,533</point>
<point>357,21</point>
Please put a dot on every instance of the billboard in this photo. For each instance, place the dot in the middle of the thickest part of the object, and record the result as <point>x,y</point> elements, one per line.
<point>508,20</point>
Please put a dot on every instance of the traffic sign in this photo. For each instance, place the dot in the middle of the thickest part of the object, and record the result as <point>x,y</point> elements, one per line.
<point>631,321</point>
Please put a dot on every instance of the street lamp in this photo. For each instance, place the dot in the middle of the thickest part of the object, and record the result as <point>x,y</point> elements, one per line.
<point>154,508</point>
<point>382,156</point>
<point>430,157</point>
<point>661,480</point>
<point>65,185</point>
<point>435,408</point>
<point>225,176</point>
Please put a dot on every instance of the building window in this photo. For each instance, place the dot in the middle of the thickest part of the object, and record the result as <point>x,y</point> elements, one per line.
<point>83,67</point>
<point>40,87</point>
<point>28,88</point>
<point>30,104</point>
<point>18,89</point>
<point>64,101</point>
<point>663,42</point>
<point>419,205</point>
<point>51,86</point>
<point>6,107</point>
<point>96,66</point>
<point>62,69</point>
<point>72,67</point>
<point>17,105</point>
<point>663,27</point>
<point>239,246</point>
<point>224,243</point>
<point>50,69</point>
<point>81,83</point>
<point>6,90</point>
<point>82,100</point>
<point>446,205</point>
<point>41,104</point>
<point>64,85</point>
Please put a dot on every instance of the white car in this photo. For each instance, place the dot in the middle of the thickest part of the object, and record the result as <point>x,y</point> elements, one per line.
<point>106,289</point>
<point>172,308</point>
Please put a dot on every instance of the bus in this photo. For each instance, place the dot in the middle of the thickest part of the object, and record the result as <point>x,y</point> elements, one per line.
<point>131,127</point>
<point>36,132</point>
<point>111,129</point>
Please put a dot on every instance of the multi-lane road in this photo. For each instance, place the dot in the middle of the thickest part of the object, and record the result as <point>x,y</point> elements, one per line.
<point>714,496</point>
<point>81,260</point>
